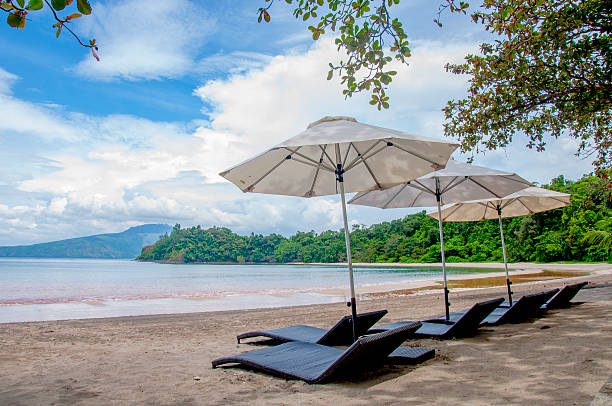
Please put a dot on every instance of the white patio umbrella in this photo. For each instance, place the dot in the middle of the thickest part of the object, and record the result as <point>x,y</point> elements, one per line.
<point>455,183</point>
<point>339,154</point>
<point>527,201</point>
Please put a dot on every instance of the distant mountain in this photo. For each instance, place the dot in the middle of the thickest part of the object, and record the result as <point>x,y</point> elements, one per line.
<point>127,244</point>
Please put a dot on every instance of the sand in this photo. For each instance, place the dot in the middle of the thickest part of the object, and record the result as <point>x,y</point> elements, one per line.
<point>563,358</point>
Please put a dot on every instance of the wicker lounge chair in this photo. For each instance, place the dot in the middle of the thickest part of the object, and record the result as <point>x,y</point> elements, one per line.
<point>340,334</point>
<point>564,297</point>
<point>316,363</point>
<point>464,325</point>
<point>523,309</point>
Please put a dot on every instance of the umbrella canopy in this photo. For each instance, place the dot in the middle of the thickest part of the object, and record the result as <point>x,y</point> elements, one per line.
<point>338,155</point>
<point>527,201</point>
<point>455,183</point>
<point>306,164</point>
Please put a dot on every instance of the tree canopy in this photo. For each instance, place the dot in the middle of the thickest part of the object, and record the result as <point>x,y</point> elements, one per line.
<point>580,232</point>
<point>548,72</point>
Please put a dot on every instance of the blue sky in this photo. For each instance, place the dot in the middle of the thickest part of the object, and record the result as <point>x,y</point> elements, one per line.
<point>186,89</point>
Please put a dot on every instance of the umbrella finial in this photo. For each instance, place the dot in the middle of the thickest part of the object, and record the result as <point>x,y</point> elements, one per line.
<point>328,119</point>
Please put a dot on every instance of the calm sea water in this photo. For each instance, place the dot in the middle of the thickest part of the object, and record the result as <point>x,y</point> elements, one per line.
<point>55,289</point>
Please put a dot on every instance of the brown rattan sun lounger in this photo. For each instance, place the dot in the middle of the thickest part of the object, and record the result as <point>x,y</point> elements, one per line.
<point>316,363</point>
<point>340,334</point>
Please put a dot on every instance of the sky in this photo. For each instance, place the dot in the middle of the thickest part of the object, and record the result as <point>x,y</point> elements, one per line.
<point>186,89</point>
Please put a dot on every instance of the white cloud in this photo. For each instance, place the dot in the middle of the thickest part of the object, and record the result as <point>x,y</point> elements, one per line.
<point>232,63</point>
<point>6,81</point>
<point>145,39</point>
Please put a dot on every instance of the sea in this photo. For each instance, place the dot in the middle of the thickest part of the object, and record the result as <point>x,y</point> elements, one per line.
<point>60,289</point>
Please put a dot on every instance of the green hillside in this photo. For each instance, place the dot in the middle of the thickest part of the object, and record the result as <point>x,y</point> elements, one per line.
<point>126,244</point>
<point>579,232</point>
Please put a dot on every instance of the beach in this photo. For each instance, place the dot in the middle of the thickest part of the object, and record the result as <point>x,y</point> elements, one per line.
<point>562,358</point>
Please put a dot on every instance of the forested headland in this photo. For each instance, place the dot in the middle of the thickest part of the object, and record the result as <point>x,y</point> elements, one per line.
<point>581,231</point>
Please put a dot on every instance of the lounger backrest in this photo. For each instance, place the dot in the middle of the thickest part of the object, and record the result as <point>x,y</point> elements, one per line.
<point>342,332</point>
<point>467,324</point>
<point>527,306</point>
<point>369,350</point>
<point>563,298</point>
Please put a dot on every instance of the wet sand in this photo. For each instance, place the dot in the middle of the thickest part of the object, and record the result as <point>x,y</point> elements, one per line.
<point>563,358</point>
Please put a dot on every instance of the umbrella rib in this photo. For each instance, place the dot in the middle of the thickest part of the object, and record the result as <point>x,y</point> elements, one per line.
<point>485,188</point>
<point>422,187</point>
<point>314,163</point>
<point>252,185</point>
<point>316,175</point>
<point>358,158</point>
<point>416,154</point>
<point>331,161</point>
<point>559,200</point>
<point>508,202</point>
<point>525,206</point>
<point>404,186</point>
<point>309,163</point>
<point>347,152</point>
<point>522,181</point>
<point>367,167</point>
<point>451,186</point>
<point>486,205</point>
<point>452,211</point>
<point>416,198</point>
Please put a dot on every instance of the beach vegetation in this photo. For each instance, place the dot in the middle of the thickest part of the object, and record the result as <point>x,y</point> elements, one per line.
<point>579,232</point>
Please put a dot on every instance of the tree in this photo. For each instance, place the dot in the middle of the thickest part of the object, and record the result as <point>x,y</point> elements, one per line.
<point>547,73</point>
<point>17,11</point>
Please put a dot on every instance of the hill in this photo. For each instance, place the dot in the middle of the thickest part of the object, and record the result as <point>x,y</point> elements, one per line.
<point>580,232</point>
<point>127,244</point>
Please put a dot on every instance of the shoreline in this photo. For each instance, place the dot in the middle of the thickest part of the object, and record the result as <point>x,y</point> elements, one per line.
<point>527,275</point>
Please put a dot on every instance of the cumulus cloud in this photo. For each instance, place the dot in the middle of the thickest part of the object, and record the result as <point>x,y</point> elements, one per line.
<point>265,106</point>
<point>145,39</point>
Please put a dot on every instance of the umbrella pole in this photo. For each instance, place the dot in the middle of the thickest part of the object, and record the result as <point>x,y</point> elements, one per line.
<point>347,241</point>
<point>503,241</point>
<point>446,303</point>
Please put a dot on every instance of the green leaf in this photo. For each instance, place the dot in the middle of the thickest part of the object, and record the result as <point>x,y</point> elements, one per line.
<point>15,20</point>
<point>58,4</point>
<point>84,7</point>
<point>20,2</point>
<point>34,5</point>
